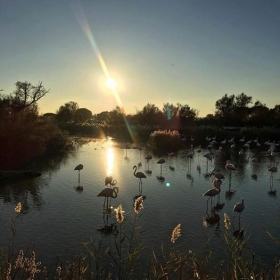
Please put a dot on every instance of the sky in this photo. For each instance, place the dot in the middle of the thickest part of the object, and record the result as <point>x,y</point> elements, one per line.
<point>190,52</point>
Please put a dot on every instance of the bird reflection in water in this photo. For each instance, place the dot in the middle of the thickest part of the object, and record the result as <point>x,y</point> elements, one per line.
<point>106,228</point>
<point>212,220</point>
<point>126,147</point>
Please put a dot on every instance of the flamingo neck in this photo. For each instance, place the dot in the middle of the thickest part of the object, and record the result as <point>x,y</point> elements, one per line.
<point>115,192</point>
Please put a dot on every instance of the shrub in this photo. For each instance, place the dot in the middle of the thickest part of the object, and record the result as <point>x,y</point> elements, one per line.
<point>165,140</point>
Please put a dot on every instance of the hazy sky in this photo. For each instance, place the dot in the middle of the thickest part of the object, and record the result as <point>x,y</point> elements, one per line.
<point>159,51</point>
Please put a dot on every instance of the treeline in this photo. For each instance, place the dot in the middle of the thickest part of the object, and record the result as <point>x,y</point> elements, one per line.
<point>25,134</point>
<point>238,111</point>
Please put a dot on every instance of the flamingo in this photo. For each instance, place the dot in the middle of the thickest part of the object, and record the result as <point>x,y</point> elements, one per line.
<point>79,167</point>
<point>212,193</point>
<point>171,167</point>
<point>209,156</point>
<point>198,157</point>
<point>218,175</point>
<point>108,192</point>
<point>148,158</point>
<point>272,169</point>
<point>216,183</point>
<point>161,162</point>
<point>254,175</point>
<point>238,208</point>
<point>140,176</point>
<point>230,167</point>
<point>109,181</point>
<point>140,156</point>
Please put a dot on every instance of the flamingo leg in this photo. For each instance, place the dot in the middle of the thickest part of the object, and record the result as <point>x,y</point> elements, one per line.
<point>239,220</point>
<point>229,186</point>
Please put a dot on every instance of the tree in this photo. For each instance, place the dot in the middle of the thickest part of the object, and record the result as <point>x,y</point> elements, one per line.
<point>150,115</point>
<point>116,116</point>
<point>27,95</point>
<point>171,114</point>
<point>259,115</point>
<point>241,109</point>
<point>275,115</point>
<point>66,112</point>
<point>24,98</point>
<point>225,109</point>
<point>102,118</point>
<point>82,115</point>
<point>242,100</point>
<point>187,115</point>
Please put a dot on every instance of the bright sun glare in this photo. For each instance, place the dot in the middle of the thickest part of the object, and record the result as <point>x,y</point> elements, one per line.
<point>111,83</point>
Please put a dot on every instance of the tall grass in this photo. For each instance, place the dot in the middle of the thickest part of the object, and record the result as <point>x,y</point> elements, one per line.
<point>122,259</point>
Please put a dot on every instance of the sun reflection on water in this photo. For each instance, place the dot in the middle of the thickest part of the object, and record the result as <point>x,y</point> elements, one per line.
<point>110,161</point>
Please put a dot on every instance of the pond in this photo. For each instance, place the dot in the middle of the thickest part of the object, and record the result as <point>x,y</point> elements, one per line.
<point>56,219</point>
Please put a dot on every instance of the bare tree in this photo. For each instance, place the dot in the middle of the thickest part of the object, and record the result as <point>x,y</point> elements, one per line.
<point>27,95</point>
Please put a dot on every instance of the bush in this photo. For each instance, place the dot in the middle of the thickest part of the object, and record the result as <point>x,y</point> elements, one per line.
<point>165,140</point>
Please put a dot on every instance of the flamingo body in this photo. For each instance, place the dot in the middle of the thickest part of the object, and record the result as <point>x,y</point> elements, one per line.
<point>79,167</point>
<point>139,175</point>
<point>239,207</point>
<point>108,192</point>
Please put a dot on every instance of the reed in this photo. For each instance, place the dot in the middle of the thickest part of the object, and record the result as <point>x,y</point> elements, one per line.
<point>122,259</point>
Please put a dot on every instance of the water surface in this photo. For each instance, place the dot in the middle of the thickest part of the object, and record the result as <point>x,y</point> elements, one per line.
<point>57,220</point>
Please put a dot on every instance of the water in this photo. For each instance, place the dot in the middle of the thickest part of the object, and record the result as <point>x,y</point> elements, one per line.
<point>57,220</point>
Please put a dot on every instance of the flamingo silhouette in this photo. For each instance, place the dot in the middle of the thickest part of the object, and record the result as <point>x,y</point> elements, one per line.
<point>108,193</point>
<point>230,167</point>
<point>110,181</point>
<point>148,158</point>
<point>79,167</point>
<point>212,193</point>
<point>238,208</point>
<point>272,169</point>
<point>140,176</point>
<point>161,162</point>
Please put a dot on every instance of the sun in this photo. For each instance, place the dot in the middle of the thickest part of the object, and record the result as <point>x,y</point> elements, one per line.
<point>111,83</point>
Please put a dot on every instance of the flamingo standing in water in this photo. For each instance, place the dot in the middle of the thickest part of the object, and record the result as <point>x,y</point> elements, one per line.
<point>170,156</point>
<point>272,169</point>
<point>108,193</point>
<point>140,176</point>
<point>79,167</point>
<point>230,167</point>
<point>212,193</point>
<point>161,162</point>
<point>238,208</point>
<point>209,156</point>
<point>148,158</point>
